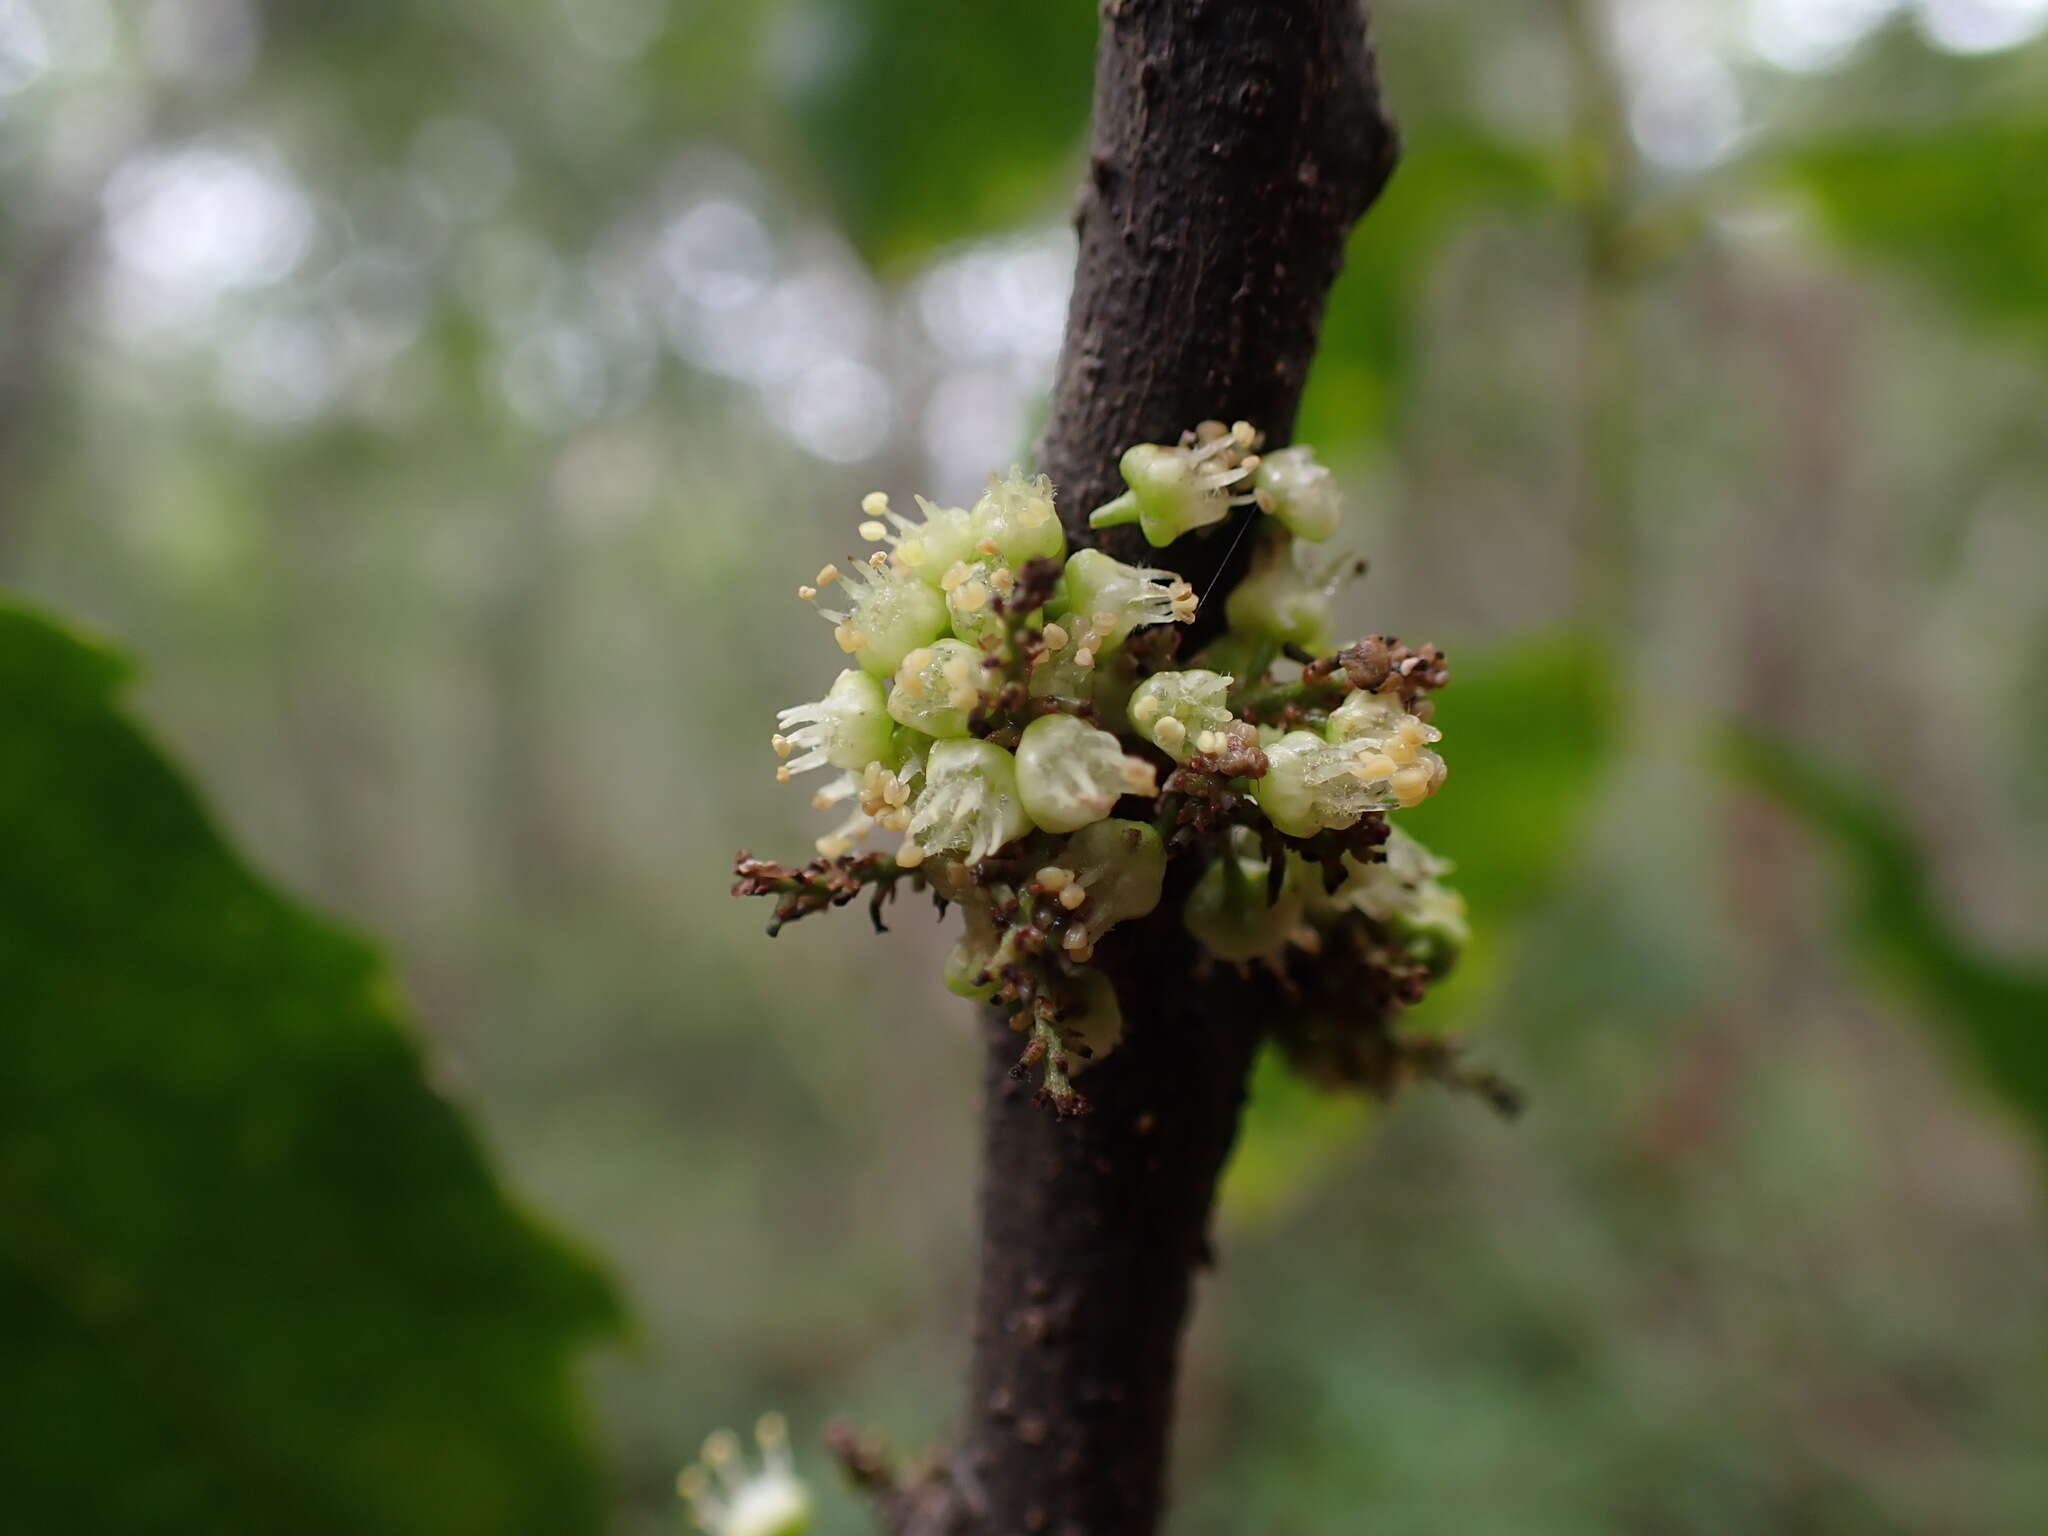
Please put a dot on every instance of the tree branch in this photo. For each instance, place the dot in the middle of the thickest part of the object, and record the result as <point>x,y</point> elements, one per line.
<point>1234,145</point>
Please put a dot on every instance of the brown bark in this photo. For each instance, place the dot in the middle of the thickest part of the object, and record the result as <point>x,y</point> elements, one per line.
<point>1234,145</point>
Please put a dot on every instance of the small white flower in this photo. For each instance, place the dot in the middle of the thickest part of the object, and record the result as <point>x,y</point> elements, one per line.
<point>1283,599</point>
<point>975,594</point>
<point>1388,743</point>
<point>969,803</point>
<point>1014,521</point>
<point>1406,888</point>
<point>1312,784</point>
<point>843,838</point>
<point>1070,774</point>
<point>1112,599</point>
<point>890,613</point>
<point>926,550</point>
<point>937,688</point>
<point>1174,490</point>
<point>1178,712</point>
<point>848,728</point>
<point>1118,870</point>
<point>727,1500</point>
<point>1303,494</point>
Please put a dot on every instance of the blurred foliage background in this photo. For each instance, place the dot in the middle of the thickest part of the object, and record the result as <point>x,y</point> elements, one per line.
<point>441,399</point>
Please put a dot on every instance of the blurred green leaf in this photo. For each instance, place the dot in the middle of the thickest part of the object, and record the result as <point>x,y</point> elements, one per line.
<point>1993,1011</point>
<point>1959,206</point>
<point>1366,334</point>
<point>254,1273</point>
<point>936,120</point>
<point>1528,730</point>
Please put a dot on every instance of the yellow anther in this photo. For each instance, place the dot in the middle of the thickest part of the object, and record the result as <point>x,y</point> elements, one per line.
<point>1411,784</point>
<point>874,531</point>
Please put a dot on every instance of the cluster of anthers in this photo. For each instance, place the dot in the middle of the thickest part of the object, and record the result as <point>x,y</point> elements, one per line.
<point>724,1498</point>
<point>1017,732</point>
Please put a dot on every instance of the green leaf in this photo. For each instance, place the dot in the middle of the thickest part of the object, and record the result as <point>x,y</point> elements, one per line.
<point>254,1273</point>
<point>1992,1011</point>
<point>1366,344</point>
<point>1958,206</point>
<point>1529,730</point>
<point>936,119</point>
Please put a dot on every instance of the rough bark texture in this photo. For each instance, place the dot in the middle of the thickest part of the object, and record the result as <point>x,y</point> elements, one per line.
<point>1235,143</point>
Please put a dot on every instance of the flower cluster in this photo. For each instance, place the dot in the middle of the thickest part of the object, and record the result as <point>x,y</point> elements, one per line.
<point>1016,735</point>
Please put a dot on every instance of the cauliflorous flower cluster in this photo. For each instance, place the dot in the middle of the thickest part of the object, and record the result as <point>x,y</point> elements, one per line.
<point>1017,736</point>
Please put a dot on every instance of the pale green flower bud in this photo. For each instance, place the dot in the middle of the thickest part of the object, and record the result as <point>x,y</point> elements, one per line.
<point>848,728</point>
<point>1108,599</point>
<point>1405,891</point>
<point>1285,795</point>
<point>1312,784</point>
<point>1173,490</point>
<point>1228,913</point>
<point>1389,745</point>
<point>969,803</point>
<point>1014,521</point>
<point>1282,602</point>
<point>1070,774</point>
<point>1303,494</point>
<point>974,597</point>
<point>938,687</point>
<point>926,550</point>
<point>890,614</point>
<point>725,1499</point>
<point>1182,713</point>
<point>1120,869</point>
